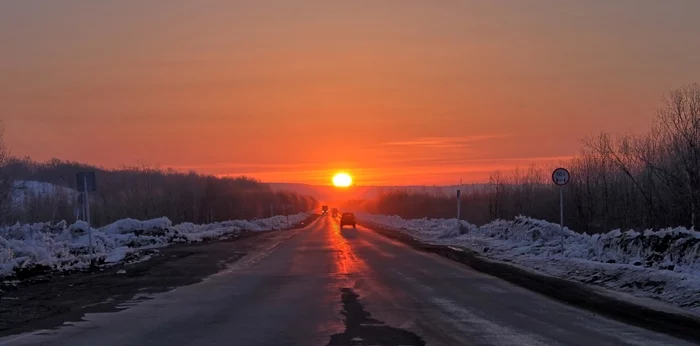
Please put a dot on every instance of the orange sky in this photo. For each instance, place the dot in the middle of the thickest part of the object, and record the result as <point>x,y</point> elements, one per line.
<point>395,92</point>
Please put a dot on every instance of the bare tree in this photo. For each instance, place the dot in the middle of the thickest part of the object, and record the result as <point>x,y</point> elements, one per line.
<point>6,181</point>
<point>679,130</point>
<point>497,192</point>
<point>620,154</point>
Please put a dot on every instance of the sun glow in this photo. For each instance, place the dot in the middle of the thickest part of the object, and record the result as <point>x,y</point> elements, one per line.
<point>342,180</point>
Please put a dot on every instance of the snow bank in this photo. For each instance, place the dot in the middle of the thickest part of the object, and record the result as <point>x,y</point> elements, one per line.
<point>64,247</point>
<point>663,265</point>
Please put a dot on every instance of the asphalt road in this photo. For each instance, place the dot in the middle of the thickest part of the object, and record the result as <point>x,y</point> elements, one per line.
<point>326,286</point>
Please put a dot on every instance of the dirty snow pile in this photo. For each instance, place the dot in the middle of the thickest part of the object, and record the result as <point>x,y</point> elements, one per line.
<point>64,247</point>
<point>663,265</point>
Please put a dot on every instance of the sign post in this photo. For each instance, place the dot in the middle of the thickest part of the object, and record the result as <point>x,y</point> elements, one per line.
<point>561,177</point>
<point>80,212</point>
<point>85,181</point>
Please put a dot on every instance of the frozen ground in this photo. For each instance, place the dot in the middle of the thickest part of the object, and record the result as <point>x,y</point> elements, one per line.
<point>664,265</point>
<point>66,247</point>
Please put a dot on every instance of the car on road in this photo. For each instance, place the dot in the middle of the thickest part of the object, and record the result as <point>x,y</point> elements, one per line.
<point>334,212</point>
<point>324,210</point>
<point>348,219</point>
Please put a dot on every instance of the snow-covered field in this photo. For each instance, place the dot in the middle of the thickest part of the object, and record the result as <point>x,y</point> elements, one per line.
<point>65,247</point>
<point>664,265</point>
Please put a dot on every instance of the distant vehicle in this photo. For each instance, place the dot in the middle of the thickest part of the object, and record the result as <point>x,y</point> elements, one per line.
<point>324,210</point>
<point>348,219</point>
<point>334,212</point>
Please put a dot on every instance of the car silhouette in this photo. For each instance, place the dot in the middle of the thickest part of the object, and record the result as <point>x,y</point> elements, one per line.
<point>348,219</point>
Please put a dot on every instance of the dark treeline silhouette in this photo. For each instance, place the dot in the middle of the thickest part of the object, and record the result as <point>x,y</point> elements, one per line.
<point>143,193</point>
<point>642,181</point>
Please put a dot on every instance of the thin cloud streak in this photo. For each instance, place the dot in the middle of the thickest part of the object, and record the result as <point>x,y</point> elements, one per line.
<point>236,165</point>
<point>446,142</point>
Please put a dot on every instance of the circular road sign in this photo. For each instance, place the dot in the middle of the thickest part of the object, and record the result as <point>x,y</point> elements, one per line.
<point>561,176</point>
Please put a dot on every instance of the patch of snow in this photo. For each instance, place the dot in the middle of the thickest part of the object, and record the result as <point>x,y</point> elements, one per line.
<point>142,259</point>
<point>126,226</point>
<point>118,254</point>
<point>66,247</point>
<point>663,265</point>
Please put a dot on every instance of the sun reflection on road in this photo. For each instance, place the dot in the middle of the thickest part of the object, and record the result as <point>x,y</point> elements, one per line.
<point>346,261</point>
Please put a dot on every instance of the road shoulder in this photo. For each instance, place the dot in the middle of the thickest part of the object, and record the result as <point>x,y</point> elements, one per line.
<point>53,299</point>
<point>655,317</point>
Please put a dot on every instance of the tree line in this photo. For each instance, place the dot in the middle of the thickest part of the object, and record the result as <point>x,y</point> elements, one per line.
<point>140,192</point>
<point>629,181</point>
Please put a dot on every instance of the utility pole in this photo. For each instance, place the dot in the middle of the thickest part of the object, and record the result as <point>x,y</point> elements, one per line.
<point>459,206</point>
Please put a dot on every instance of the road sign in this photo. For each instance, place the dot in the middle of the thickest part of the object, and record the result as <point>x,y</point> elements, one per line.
<point>85,180</point>
<point>561,176</point>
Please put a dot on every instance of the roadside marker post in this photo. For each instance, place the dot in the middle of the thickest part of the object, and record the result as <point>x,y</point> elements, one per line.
<point>561,177</point>
<point>85,181</point>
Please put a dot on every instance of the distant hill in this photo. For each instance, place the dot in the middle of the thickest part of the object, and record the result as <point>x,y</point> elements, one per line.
<point>23,190</point>
<point>331,193</point>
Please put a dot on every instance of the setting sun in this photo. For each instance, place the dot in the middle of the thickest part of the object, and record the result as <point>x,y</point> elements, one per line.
<point>342,180</point>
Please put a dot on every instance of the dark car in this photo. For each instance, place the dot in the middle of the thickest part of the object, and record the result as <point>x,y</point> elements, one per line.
<point>348,219</point>
<point>324,210</point>
<point>334,212</point>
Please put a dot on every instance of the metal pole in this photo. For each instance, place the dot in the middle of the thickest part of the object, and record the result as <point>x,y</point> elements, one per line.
<point>459,209</point>
<point>87,213</point>
<point>561,215</point>
<point>459,206</point>
<point>287,214</point>
<point>272,210</point>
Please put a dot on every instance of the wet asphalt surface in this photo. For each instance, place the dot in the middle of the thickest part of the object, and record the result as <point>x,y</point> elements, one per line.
<point>325,286</point>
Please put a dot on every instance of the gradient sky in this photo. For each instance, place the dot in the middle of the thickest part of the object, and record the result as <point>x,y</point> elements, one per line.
<point>395,92</point>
